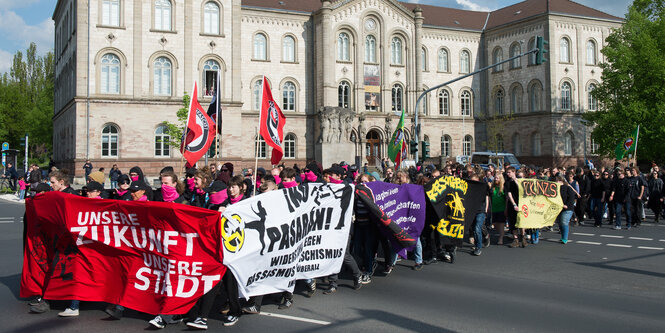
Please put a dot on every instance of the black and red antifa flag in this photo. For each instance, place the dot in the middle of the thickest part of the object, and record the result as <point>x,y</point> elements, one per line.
<point>452,205</point>
<point>403,238</point>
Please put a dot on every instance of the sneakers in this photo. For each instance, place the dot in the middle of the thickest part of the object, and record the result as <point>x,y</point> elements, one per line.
<point>616,227</point>
<point>35,301</point>
<point>429,261</point>
<point>477,252</point>
<point>69,312</point>
<point>331,289</point>
<point>251,309</point>
<point>41,307</point>
<point>113,311</point>
<point>158,322</point>
<point>486,241</point>
<point>365,279</point>
<point>418,266</point>
<point>175,319</point>
<point>515,243</point>
<point>199,323</point>
<point>230,320</point>
<point>285,304</point>
<point>564,241</point>
<point>388,269</point>
<point>225,309</point>
<point>358,282</point>
<point>311,288</point>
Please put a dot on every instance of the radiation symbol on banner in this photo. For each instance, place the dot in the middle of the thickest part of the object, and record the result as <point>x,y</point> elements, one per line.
<point>232,233</point>
<point>525,211</point>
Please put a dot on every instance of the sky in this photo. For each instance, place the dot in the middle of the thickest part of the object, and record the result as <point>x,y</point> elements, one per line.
<point>25,21</point>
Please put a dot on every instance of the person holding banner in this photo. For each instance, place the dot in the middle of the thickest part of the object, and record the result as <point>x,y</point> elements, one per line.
<point>499,206</point>
<point>171,190</point>
<point>568,196</point>
<point>122,191</point>
<point>200,195</point>
<point>512,198</point>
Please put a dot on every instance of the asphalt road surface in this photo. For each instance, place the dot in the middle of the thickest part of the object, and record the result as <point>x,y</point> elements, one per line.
<point>603,280</point>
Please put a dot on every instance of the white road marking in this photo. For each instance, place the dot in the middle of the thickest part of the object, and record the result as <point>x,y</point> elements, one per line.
<point>650,248</point>
<point>6,221</point>
<point>592,243</point>
<point>611,236</point>
<point>307,320</point>
<point>619,245</point>
<point>583,234</point>
<point>641,238</point>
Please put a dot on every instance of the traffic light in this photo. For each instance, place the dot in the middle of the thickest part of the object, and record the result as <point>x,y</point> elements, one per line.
<point>413,147</point>
<point>425,147</point>
<point>540,44</point>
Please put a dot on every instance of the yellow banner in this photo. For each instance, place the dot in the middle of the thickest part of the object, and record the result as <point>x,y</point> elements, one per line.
<point>540,203</point>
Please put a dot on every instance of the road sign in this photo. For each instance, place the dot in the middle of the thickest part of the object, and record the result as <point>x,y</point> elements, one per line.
<point>5,145</point>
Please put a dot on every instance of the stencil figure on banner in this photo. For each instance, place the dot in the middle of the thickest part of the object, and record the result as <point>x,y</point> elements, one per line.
<point>305,236</point>
<point>453,203</point>
<point>153,257</point>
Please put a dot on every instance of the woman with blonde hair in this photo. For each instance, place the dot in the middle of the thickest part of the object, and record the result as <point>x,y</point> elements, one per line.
<point>499,206</point>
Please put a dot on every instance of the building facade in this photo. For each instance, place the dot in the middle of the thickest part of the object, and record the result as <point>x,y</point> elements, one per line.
<point>122,68</point>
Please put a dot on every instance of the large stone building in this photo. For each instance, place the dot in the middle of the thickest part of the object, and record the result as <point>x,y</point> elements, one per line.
<point>340,70</point>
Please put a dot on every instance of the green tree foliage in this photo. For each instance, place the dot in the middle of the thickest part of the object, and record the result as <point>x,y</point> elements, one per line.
<point>632,91</point>
<point>26,102</point>
<point>176,130</point>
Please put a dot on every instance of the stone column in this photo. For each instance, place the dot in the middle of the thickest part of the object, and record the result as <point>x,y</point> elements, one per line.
<point>418,35</point>
<point>137,39</point>
<point>189,42</point>
<point>327,57</point>
<point>236,59</point>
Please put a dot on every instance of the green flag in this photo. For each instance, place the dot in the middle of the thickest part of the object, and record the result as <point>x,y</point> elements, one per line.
<point>628,145</point>
<point>396,147</point>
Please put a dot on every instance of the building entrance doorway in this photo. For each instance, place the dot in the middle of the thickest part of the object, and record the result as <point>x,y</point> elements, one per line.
<point>373,148</point>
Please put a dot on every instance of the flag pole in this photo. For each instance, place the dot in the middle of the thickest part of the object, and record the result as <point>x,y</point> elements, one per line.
<point>183,146</point>
<point>636,140</point>
<point>256,151</point>
<point>217,119</point>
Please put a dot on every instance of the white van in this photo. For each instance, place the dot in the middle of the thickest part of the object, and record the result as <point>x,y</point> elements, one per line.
<point>485,158</point>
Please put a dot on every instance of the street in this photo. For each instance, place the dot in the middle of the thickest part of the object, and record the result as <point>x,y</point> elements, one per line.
<point>603,280</point>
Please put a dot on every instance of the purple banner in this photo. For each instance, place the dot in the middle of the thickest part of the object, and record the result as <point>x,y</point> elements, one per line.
<point>405,205</point>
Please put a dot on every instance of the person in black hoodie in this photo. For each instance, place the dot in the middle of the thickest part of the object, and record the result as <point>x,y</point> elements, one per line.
<point>135,174</point>
<point>60,182</point>
<point>621,199</point>
<point>312,173</point>
<point>122,191</point>
<point>568,196</point>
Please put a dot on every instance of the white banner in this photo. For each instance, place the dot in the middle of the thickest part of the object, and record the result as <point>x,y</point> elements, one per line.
<point>276,238</point>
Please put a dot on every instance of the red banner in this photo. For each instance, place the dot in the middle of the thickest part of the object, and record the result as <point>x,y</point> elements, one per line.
<point>154,257</point>
<point>200,131</point>
<point>271,124</point>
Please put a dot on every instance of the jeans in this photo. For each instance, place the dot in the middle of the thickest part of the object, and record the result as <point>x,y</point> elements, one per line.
<point>597,208</point>
<point>418,252</point>
<point>617,208</point>
<point>74,305</point>
<point>564,219</point>
<point>478,229</point>
<point>114,184</point>
<point>21,194</point>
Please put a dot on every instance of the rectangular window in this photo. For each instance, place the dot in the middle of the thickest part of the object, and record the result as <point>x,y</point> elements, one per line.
<point>111,13</point>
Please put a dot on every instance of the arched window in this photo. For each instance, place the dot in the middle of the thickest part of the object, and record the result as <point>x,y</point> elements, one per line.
<point>211,18</point>
<point>532,56</point>
<point>370,48</point>
<point>210,70</point>
<point>534,97</point>
<point>465,103</point>
<point>396,51</point>
<point>425,103</point>
<point>256,94</point>
<point>110,141</point>
<point>111,13</point>
<point>465,62</point>
<point>535,144</point>
<point>498,102</point>
<point>443,60</point>
<point>343,95</point>
<point>444,103</point>
<point>288,49</point>
<point>517,144</point>
<point>515,99</point>
<point>163,15</point>
<point>568,141</point>
<point>162,139</point>
<point>162,76</point>
<point>515,50</point>
<point>591,52</point>
<point>466,145</point>
<point>593,102</point>
<point>423,59</point>
<point>110,74</point>
<point>564,50</point>
<point>289,96</point>
<point>397,95</point>
<point>500,146</point>
<point>565,96</point>
<point>497,57</point>
<point>445,145</point>
<point>290,146</point>
<point>343,52</point>
<point>260,147</point>
<point>260,47</point>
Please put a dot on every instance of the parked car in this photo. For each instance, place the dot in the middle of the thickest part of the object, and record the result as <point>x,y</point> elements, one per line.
<point>485,158</point>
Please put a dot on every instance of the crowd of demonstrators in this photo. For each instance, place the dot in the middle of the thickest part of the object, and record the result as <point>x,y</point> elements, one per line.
<point>612,194</point>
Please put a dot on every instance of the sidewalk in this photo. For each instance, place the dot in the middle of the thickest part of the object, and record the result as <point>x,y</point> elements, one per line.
<point>11,198</point>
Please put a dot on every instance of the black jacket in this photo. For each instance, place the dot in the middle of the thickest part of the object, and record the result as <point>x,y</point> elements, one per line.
<point>568,196</point>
